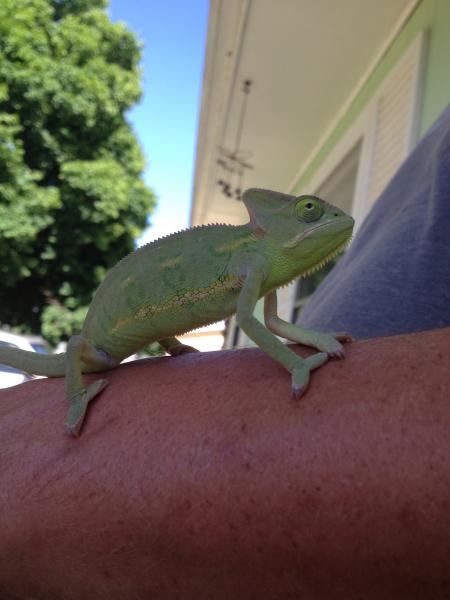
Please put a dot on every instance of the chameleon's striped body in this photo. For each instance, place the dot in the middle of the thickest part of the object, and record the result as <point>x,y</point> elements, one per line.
<point>196,277</point>
<point>161,291</point>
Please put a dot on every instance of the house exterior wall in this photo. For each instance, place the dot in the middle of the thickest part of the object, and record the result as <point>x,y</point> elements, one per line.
<point>414,71</point>
<point>433,17</point>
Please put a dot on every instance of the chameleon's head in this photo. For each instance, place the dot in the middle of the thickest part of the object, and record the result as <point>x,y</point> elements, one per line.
<point>309,229</point>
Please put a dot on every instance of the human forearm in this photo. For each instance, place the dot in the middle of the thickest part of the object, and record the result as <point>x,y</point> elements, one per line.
<point>201,478</point>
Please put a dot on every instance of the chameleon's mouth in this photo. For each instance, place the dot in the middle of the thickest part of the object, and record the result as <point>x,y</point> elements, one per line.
<point>326,259</point>
<point>344,223</point>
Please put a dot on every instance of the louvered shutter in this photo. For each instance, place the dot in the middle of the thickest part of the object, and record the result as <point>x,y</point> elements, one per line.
<point>394,127</point>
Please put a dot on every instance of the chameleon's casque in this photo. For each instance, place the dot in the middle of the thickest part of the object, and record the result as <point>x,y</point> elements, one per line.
<point>198,276</point>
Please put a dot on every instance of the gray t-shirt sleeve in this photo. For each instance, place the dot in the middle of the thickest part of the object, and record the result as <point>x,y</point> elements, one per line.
<point>395,277</point>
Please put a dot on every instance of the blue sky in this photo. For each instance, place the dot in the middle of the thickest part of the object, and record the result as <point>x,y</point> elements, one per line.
<point>174,36</point>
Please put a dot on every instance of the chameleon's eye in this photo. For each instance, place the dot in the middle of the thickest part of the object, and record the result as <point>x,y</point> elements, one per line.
<point>308,209</point>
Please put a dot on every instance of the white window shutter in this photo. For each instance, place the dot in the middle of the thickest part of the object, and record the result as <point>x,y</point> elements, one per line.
<point>395,126</point>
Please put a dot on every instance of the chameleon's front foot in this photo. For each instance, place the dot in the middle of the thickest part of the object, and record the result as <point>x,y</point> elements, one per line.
<point>329,342</point>
<point>79,404</point>
<point>300,373</point>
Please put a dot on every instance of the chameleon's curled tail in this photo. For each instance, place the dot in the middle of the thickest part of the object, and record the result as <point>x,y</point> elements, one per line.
<point>51,365</point>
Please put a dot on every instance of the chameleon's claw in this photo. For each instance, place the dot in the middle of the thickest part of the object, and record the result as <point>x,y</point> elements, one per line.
<point>300,374</point>
<point>74,429</point>
<point>343,336</point>
<point>327,342</point>
<point>337,354</point>
<point>79,404</point>
<point>298,390</point>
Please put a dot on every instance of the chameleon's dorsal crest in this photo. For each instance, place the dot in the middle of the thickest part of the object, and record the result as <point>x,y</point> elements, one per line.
<point>261,205</point>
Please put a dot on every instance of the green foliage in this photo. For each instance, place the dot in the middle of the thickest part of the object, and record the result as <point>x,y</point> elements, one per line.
<point>154,349</point>
<point>60,323</point>
<point>72,200</point>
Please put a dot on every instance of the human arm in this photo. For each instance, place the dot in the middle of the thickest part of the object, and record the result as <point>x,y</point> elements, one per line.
<point>199,477</point>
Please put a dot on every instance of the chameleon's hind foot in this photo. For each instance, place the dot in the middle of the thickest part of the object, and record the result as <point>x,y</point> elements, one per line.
<point>182,349</point>
<point>174,347</point>
<point>79,404</point>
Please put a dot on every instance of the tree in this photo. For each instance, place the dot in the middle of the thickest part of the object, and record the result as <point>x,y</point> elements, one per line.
<point>72,200</point>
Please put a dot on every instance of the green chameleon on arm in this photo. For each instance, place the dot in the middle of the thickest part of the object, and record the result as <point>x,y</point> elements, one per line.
<point>196,277</point>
